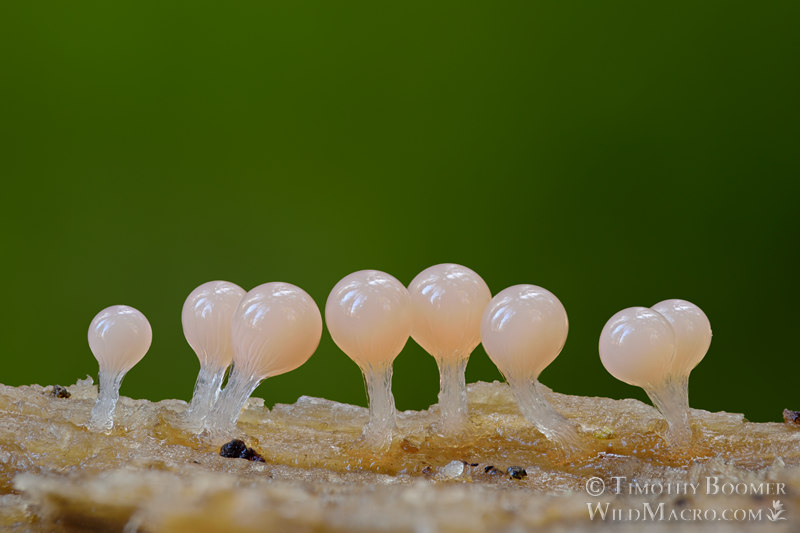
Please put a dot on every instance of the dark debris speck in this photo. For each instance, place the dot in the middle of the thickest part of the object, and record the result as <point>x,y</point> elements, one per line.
<point>60,392</point>
<point>238,449</point>
<point>234,448</point>
<point>516,472</point>
<point>791,417</point>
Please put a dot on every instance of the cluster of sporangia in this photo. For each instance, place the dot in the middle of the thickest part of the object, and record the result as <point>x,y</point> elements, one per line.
<point>448,309</point>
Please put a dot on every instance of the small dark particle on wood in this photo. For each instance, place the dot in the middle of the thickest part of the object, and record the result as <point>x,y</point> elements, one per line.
<point>251,455</point>
<point>60,392</point>
<point>516,472</point>
<point>490,470</point>
<point>238,449</point>
<point>428,470</point>
<point>472,464</point>
<point>234,448</point>
<point>791,417</point>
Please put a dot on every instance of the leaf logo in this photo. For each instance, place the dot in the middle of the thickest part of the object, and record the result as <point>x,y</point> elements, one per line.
<point>774,514</point>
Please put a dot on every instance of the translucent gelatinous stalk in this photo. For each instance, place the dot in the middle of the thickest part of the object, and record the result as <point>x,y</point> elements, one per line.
<point>222,419</point>
<point>447,303</point>
<point>524,329</point>
<point>662,345</point>
<point>206,318</point>
<point>538,412</point>
<point>378,431</point>
<point>452,396</point>
<point>274,329</point>
<point>671,397</point>
<point>369,318</point>
<point>103,411</point>
<point>206,391</point>
<point>118,336</point>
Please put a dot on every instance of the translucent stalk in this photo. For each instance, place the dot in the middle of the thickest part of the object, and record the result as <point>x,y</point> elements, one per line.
<point>206,391</point>
<point>452,396</point>
<point>672,399</point>
<point>103,411</point>
<point>223,417</point>
<point>378,431</point>
<point>538,412</point>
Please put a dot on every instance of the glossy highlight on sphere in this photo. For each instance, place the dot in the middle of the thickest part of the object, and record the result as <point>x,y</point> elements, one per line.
<point>447,304</point>
<point>524,328</point>
<point>206,319</point>
<point>692,333</point>
<point>637,346</point>
<point>369,317</point>
<point>119,336</point>
<point>276,328</point>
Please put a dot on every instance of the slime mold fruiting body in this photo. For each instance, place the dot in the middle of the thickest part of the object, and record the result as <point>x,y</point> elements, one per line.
<point>275,328</point>
<point>369,317</point>
<point>656,349</point>
<point>447,303</point>
<point>206,319</point>
<point>524,328</point>
<point>119,336</point>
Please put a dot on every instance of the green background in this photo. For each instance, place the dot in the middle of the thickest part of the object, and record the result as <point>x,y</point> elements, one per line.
<point>617,154</point>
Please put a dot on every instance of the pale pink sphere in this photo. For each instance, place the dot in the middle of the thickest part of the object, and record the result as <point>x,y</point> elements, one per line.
<point>369,317</point>
<point>206,319</point>
<point>524,328</point>
<point>119,336</point>
<point>447,304</point>
<point>692,333</point>
<point>637,346</point>
<point>276,328</point>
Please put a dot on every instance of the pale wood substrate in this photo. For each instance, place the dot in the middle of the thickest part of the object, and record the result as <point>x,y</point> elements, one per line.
<point>149,475</point>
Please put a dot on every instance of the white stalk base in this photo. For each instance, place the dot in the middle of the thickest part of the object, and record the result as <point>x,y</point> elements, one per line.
<point>378,431</point>
<point>452,397</point>
<point>672,399</point>
<point>103,411</point>
<point>538,412</point>
<point>221,421</point>
<point>206,392</point>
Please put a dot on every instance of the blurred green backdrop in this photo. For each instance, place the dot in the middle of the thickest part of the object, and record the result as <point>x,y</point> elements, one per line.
<point>616,154</point>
